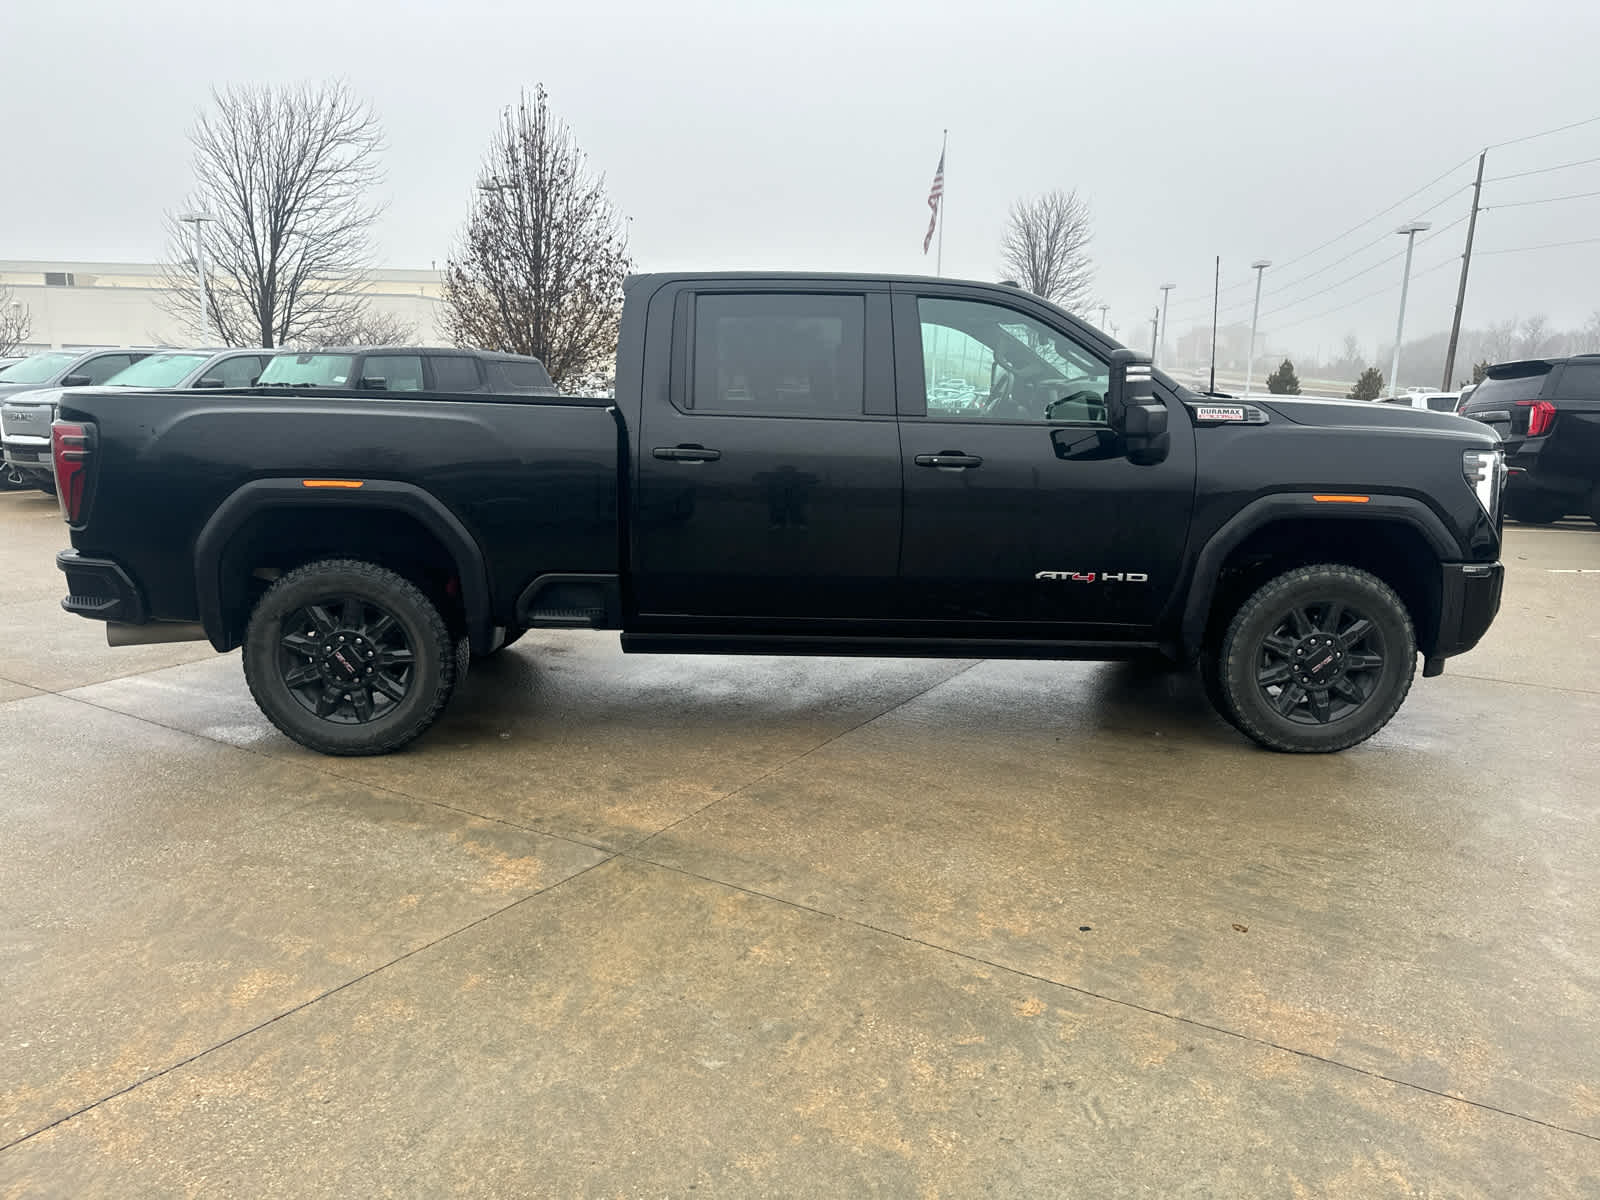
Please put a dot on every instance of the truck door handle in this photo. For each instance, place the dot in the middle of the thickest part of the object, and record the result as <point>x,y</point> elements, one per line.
<point>956,461</point>
<point>686,454</point>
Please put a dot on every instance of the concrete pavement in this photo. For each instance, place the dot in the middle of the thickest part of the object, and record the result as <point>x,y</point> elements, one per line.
<point>674,926</point>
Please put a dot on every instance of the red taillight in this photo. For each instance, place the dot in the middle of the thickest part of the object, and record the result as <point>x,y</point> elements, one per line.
<point>1541,415</point>
<point>70,444</point>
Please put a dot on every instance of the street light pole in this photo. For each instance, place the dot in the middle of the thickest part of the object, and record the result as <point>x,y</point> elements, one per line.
<point>1166,294</point>
<point>197,219</point>
<point>1104,309</point>
<point>1259,267</point>
<point>1410,231</point>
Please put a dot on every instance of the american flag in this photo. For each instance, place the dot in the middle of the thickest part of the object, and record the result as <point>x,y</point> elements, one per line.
<point>935,193</point>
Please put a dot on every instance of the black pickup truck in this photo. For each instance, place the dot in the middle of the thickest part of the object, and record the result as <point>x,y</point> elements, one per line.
<point>795,464</point>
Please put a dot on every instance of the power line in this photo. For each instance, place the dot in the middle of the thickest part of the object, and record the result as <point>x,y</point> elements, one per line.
<point>1389,287</point>
<point>1545,200</point>
<point>1582,162</point>
<point>1543,246</point>
<point>1543,133</point>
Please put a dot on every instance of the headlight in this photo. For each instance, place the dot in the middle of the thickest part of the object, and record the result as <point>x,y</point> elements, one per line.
<point>1485,472</point>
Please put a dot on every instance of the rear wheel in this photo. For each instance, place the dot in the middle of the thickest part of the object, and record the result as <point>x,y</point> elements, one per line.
<point>348,658</point>
<point>1318,659</point>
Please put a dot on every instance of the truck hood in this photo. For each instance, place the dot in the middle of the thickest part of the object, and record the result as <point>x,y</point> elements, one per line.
<point>1378,417</point>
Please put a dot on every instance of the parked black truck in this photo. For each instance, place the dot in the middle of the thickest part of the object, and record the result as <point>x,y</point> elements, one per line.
<point>795,464</point>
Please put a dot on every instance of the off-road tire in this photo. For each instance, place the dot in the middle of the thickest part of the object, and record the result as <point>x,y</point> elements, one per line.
<point>430,674</point>
<point>1211,682</point>
<point>1369,649</point>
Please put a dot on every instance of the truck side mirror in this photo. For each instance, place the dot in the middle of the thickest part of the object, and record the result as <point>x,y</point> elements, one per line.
<point>210,381</point>
<point>375,383</point>
<point>1135,412</point>
<point>76,381</point>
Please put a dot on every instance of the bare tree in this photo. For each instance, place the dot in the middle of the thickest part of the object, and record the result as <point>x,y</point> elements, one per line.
<point>1536,336</point>
<point>16,322</point>
<point>539,267</point>
<point>1587,339</point>
<point>1045,248</point>
<point>369,328</point>
<point>284,173</point>
<point>1500,340</point>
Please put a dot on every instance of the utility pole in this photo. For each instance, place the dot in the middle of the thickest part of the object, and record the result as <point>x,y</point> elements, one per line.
<point>1166,294</point>
<point>198,219</point>
<point>1461,290</point>
<point>1260,268</point>
<point>1409,231</point>
<point>1216,295</point>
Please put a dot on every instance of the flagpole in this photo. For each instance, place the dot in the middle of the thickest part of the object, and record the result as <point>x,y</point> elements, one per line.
<point>938,262</point>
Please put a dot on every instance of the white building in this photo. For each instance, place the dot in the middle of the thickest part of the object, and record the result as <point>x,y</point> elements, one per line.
<point>128,304</point>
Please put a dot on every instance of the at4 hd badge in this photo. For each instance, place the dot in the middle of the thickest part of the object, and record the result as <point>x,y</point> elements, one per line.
<point>1095,576</point>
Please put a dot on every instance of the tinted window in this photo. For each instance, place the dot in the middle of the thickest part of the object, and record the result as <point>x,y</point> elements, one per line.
<point>103,368</point>
<point>1442,403</point>
<point>795,355</point>
<point>1580,381</point>
<point>984,361</point>
<point>399,372</point>
<point>1505,392</point>
<point>157,371</point>
<point>309,370</point>
<point>528,376</point>
<point>238,372</point>
<point>454,372</point>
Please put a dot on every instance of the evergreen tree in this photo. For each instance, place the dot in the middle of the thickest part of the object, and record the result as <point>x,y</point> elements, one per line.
<point>1480,371</point>
<point>1369,386</point>
<point>1283,381</point>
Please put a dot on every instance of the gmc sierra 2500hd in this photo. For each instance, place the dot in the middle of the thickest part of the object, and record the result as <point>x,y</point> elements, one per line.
<point>795,464</point>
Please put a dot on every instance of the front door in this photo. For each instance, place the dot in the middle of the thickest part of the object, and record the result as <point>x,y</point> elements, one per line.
<point>769,485</point>
<point>1021,508</point>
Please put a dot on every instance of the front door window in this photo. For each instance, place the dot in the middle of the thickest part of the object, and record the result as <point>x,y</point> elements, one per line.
<point>985,362</point>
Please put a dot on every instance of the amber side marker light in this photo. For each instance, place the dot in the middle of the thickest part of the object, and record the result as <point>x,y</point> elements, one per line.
<point>1342,499</point>
<point>331,483</point>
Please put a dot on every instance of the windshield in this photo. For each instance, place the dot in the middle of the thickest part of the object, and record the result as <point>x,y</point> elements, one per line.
<point>308,370</point>
<point>157,371</point>
<point>1505,390</point>
<point>40,368</point>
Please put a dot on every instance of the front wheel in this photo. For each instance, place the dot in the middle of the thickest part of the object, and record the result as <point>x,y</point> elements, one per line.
<point>348,658</point>
<point>1318,659</point>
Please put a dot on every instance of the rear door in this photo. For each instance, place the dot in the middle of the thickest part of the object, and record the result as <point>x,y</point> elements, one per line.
<point>768,479</point>
<point>1023,515</point>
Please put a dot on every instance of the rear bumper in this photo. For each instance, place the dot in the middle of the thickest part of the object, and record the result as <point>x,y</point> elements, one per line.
<point>1534,472</point>
<point>100,589</point>
<point>1469,600</point>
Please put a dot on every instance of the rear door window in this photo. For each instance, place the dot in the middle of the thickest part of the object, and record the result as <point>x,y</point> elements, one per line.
<point>105,366</point>
<point>239,372</point>
<point>1503,393</point>
<point>455,373</point>
<point>779,355</point>
<point>513,377</point>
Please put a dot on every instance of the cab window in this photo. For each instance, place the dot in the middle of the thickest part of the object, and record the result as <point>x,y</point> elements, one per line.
<point>988,362</point>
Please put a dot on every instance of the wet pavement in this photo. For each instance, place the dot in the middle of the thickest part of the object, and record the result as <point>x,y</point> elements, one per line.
<point>750,926</point>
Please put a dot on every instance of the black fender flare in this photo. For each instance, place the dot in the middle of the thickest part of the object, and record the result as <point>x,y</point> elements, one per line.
<point>261,495</point>
<point>1280,506</point>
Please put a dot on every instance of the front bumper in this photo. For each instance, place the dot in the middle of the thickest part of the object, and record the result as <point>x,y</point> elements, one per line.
<point>100,589</point>
<point>30,456</point>
<point>1469,599</point>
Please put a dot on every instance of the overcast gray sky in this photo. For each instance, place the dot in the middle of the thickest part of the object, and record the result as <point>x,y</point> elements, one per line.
<point>805,136</point>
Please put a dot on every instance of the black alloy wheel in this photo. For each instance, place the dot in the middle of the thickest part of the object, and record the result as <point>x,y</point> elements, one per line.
<point>350,658</point>
<point>345,659</point>
<point>1316,660</point>
<point>1321,663</point>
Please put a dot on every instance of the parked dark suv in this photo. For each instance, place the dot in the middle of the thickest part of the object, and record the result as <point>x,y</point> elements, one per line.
<point>409,369</point>
<point>1547,413</point>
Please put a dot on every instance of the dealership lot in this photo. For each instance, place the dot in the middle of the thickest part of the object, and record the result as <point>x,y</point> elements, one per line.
<point>642,926</point>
